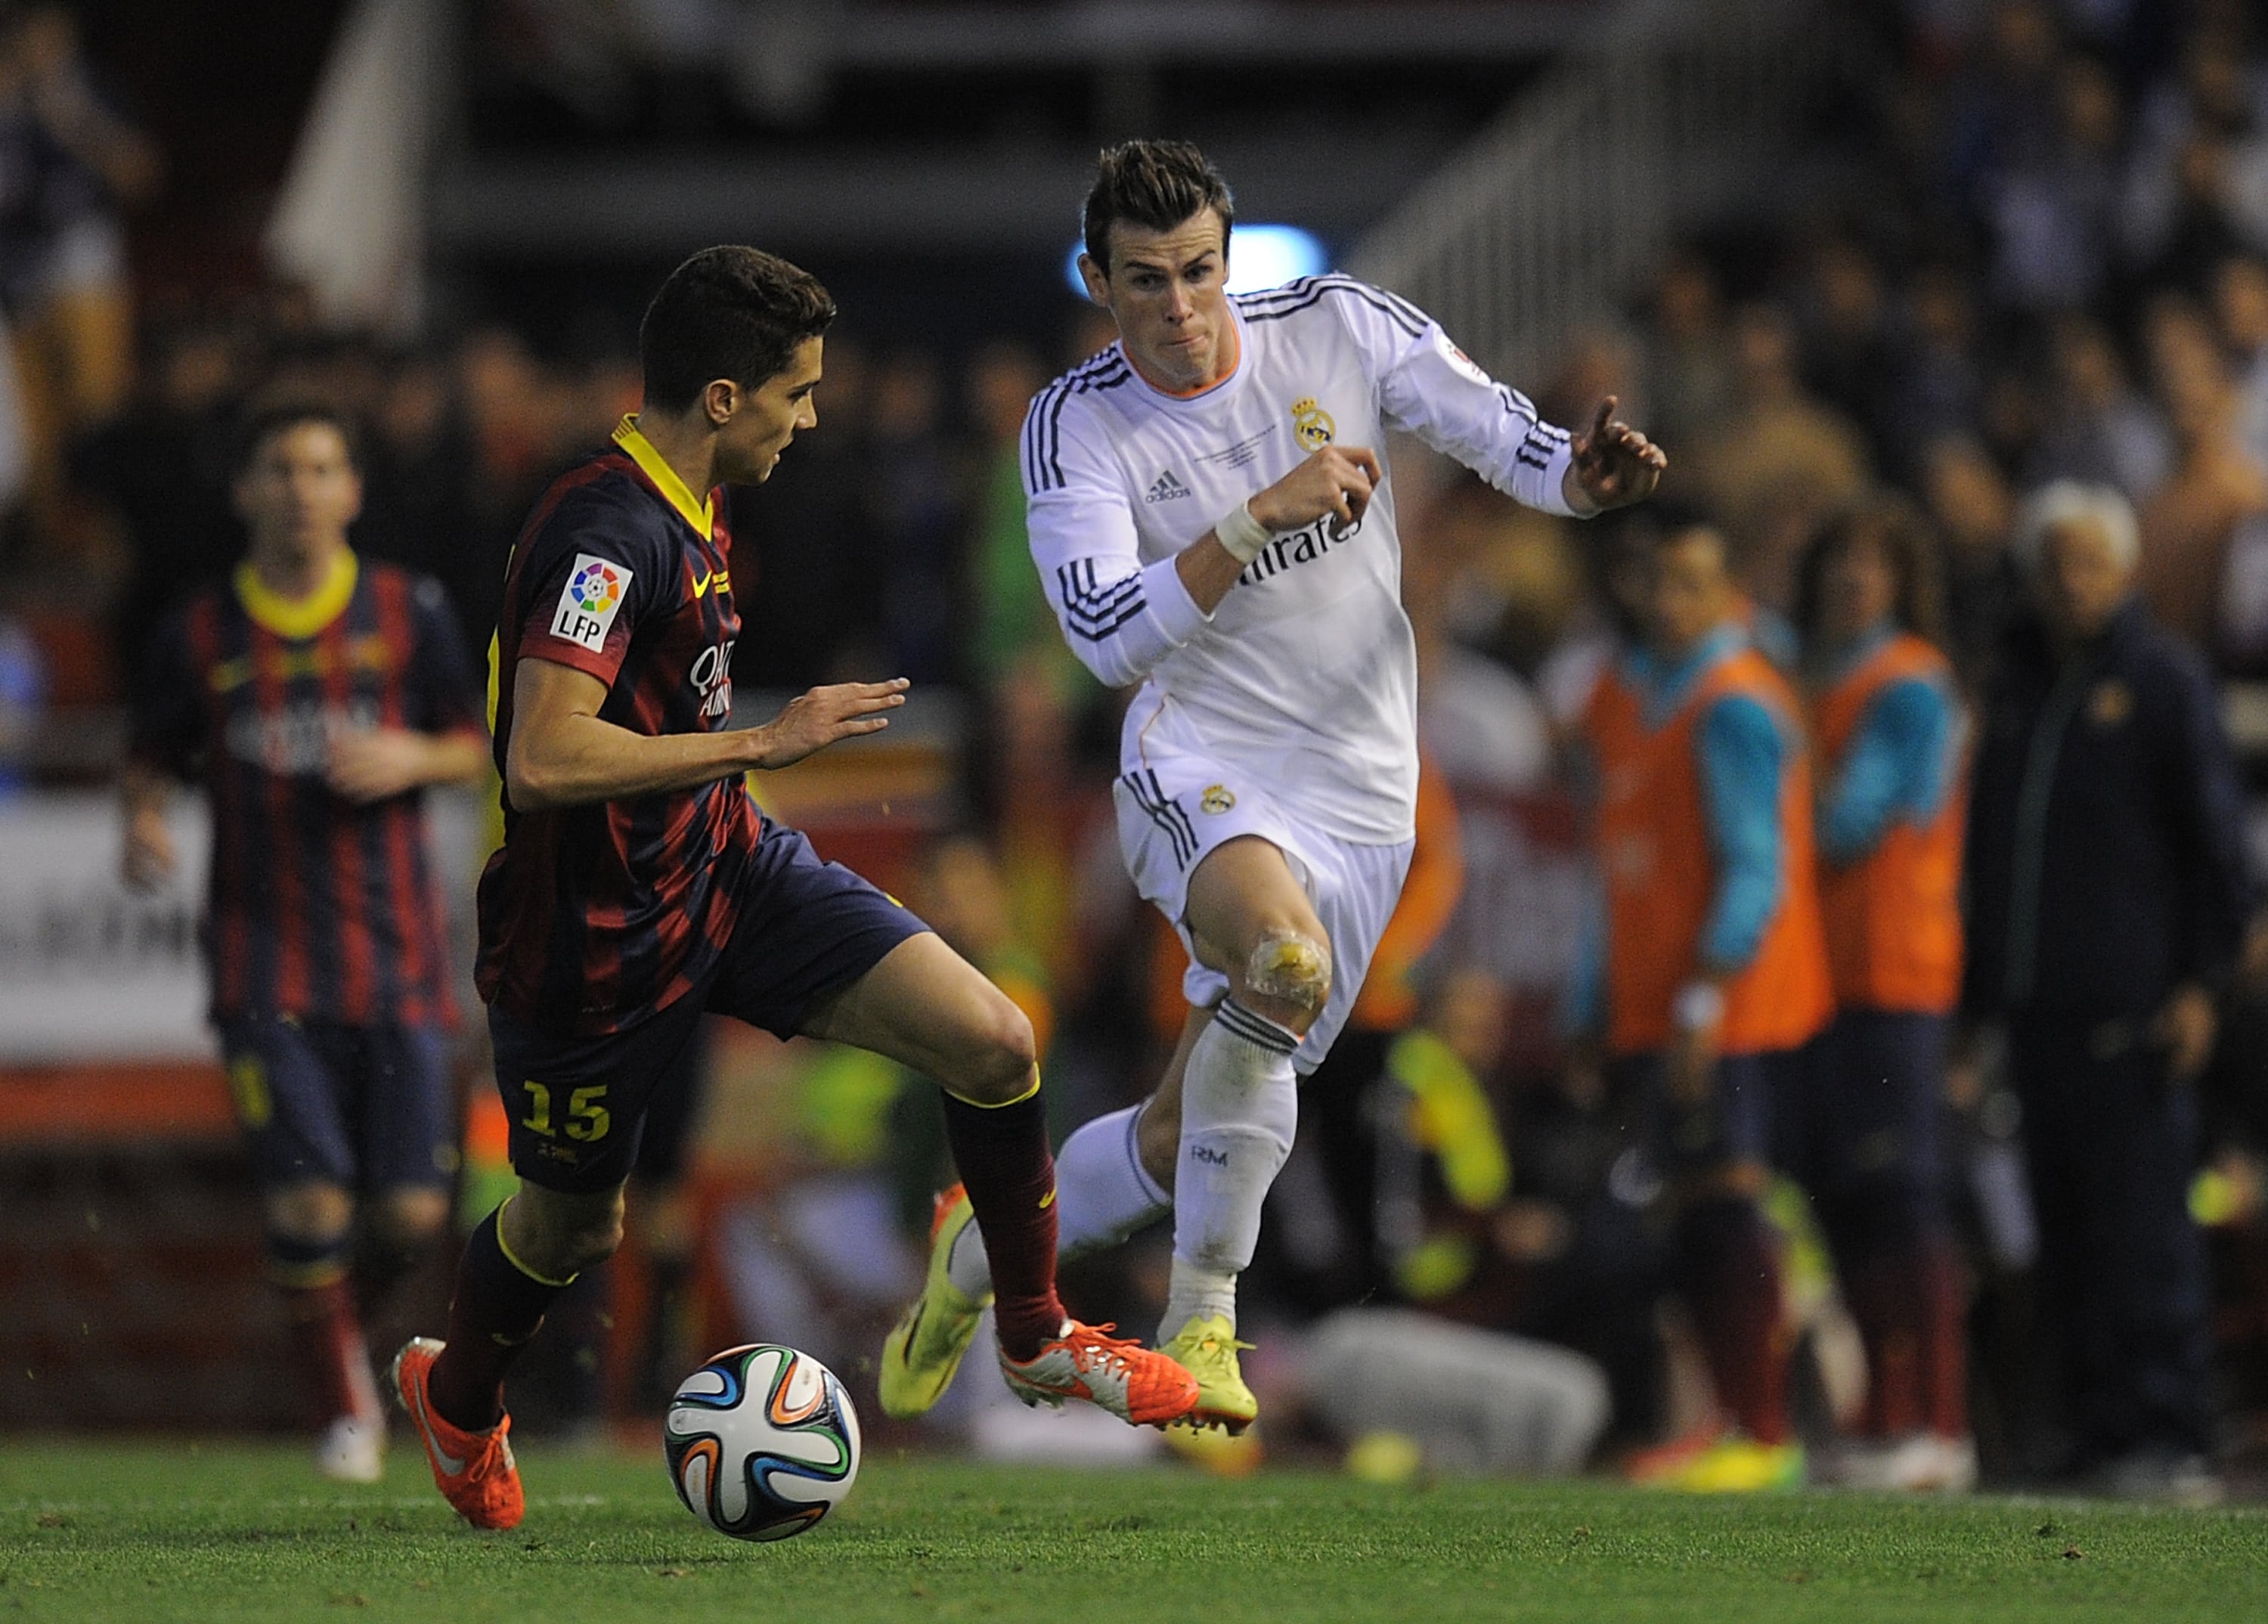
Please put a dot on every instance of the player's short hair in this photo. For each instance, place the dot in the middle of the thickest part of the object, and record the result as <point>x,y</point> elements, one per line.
<point>264,421</point>
<point>1910,547</point>
<point>1154,183</point>
<point>728,312</point>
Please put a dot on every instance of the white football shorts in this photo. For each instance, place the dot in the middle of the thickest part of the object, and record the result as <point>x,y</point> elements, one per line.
<point>1177,807</point>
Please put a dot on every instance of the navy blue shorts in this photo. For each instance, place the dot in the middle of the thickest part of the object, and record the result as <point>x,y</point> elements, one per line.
<point>1870,1122</point>
<point>578,1105</point>
<point>369,1108</point>
<point>1734,1123</point>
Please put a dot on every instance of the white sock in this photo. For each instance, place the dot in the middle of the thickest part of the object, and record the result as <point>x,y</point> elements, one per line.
<point>1240,1109</point>
<point>1103,1194</point>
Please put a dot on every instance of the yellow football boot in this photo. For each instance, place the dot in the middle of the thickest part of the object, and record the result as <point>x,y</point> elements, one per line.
<point>1206,1349</point>
<point>1739,1465</point>
<point>924,1348</point>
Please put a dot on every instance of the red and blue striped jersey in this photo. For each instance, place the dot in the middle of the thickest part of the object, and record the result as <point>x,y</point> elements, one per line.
<point>318,906</point>
<point>594,916</point>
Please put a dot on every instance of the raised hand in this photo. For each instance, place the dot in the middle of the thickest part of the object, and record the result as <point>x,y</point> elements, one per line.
<point>814,720</point>
<point>1613,464</point>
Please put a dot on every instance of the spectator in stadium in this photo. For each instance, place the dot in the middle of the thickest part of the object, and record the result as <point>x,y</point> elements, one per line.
<point>2188,524</point>
<point>2240,312</point>
<point>69,163</point>
<point>1712,976</point>
<point>1970,505</point>
<point>2102,427</point>
<point>1868,1135</point>
<point>314,697</point>
<point>2105,901</point>
<point>1689,384</point>
<point>1781,460</point>
<point>1941,383</point>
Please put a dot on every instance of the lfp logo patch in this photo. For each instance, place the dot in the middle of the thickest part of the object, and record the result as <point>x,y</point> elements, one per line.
<point>594,591</point>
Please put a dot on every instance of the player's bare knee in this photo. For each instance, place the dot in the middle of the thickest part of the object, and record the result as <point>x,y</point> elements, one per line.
<point>558,1235</point>
<point>311,1213</point>
<point>408,1217</point>
<point>1291,969</point>
<point>998,1056</point>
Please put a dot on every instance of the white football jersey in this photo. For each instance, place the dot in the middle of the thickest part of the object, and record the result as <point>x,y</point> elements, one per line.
<point>1306,676</point>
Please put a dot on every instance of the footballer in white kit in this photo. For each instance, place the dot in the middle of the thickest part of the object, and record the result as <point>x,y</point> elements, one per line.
<point>1210,514</point>
<point>1290,713</point>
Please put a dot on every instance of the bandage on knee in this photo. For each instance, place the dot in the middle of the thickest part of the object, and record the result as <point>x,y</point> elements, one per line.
<point>1288,965</point>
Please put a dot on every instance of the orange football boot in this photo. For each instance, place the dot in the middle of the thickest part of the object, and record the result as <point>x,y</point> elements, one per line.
<point>475,1471</point>
<point>1139,1386</point>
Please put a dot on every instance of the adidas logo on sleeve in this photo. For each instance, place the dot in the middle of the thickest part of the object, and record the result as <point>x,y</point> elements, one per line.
<point>1165,488</point>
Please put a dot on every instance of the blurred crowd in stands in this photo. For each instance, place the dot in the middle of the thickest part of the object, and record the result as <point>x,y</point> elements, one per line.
<point>2052,264</point>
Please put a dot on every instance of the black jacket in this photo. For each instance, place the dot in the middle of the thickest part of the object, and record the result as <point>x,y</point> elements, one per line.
<point>2106,861</point>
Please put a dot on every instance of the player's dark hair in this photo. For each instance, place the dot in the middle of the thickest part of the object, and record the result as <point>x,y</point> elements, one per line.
<point>728,312</point>
<point>265,422</point>
<point>1154,183</point>
<point>1908,547</point>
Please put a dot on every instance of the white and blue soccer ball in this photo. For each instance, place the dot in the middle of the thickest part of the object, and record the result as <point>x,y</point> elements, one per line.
<point>761,1441</point>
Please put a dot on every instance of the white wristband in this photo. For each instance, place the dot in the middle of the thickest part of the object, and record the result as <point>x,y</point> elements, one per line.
<point>1241,534</point>
<point>1700,1005</point>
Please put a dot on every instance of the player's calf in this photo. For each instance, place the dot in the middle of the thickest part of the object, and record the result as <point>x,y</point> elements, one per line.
<point>307,1244</point>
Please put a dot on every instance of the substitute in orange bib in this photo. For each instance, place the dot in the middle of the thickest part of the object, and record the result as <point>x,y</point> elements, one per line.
<point>1711,976</point>
<point>1889,732</point>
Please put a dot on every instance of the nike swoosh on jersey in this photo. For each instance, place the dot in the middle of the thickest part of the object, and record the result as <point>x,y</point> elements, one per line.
<point>722,579</point>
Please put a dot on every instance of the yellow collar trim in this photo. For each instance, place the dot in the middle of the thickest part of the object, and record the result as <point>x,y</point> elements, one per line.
<point>297,618</point>
<point>699,514</point>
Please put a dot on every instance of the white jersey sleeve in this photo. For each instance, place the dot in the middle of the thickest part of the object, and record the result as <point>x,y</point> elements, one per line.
<point>1119,616</point>
<point>1429,387</point>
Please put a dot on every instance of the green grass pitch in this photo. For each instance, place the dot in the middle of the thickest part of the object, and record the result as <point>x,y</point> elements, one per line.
<point>94,1531</point>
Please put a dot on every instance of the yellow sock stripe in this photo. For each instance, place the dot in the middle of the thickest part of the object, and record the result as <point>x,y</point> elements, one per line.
<point>1001,1104</point>
<point>505,1246</point>
<point>306,1276</point>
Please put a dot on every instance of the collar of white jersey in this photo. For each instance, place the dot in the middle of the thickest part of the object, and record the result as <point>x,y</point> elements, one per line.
<point>1212,391</point>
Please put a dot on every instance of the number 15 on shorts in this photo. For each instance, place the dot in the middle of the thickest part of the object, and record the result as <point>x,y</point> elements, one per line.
<point>586,1117</point>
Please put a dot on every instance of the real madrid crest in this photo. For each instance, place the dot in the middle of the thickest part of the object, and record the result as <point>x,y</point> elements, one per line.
<point>1311,424</point>
<point>1218,798</point>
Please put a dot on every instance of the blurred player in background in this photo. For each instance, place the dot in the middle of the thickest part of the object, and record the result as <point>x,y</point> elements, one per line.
<point>1210,518</point>
<point>638,886</point>
<point>313,697</point>
<point>1889,731</point>
<point>1713,973</point>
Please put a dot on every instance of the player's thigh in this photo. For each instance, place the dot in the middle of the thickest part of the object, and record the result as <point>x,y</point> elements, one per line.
<point>1242,893</point>
<point>926,1007</point>
<point>290,1102</point>
<point>808,935</point>
<point>407,1117</point>
<point>577,1104</point>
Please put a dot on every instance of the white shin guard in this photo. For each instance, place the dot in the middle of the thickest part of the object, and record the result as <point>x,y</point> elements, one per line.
<point>1240,1110</point>
<point>1102,1196</point>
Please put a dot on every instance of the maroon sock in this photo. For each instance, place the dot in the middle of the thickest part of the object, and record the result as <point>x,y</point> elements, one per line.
<point>497,1306</point>
<point>1885,1301</point>
<point>1002,1153</point>
<point>326,1344</point>
<point>1944,1374</point>
<point>1730,1276</point>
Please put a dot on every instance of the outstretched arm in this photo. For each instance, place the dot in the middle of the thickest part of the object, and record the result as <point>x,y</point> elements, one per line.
<point>564,754</point>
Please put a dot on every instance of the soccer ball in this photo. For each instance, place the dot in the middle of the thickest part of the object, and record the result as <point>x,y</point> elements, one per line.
<point>761,1441</point>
